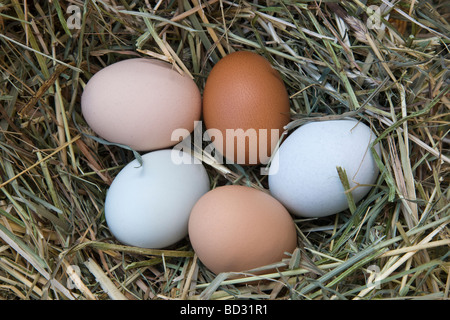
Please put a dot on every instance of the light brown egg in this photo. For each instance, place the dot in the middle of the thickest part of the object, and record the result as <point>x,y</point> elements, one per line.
<point>237,228</point>
<point>140,102</point>
<point>245,97</point>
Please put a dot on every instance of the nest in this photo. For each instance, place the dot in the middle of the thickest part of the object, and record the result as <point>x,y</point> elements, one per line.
<point>384,63</point>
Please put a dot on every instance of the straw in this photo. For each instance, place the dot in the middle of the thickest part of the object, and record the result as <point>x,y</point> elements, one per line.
<point>385,63</point>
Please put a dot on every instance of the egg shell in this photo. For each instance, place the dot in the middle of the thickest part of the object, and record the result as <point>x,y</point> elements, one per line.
<point>140,102</point>
<point>304,177</point>
<point>237,228</point>
<point>148,206</point>
<point>245,95</point>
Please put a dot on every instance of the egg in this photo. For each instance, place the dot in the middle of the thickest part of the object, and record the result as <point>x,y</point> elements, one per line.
<point>245,107</point>
<point>304,176</point>
<point>149,205</point>
<point>139,102</point>
<point>234,228</point>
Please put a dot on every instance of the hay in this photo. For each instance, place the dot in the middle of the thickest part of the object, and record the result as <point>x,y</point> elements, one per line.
<point>387,67</point>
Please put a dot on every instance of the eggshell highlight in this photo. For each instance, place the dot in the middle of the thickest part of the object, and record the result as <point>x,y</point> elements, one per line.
<point>245,97</point>
<point>140,102</point>
<point>148,206</point>
<point>304,177</point>
<point>237,228</point>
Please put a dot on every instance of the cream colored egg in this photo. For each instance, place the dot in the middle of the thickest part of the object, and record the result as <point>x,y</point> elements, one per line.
<point>140,102</point>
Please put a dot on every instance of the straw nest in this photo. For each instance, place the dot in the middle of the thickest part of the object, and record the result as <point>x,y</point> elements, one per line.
<point>383,62</point>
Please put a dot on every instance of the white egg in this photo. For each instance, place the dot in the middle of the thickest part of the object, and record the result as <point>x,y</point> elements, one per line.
<point>304,176</point>
<point>148,206</point>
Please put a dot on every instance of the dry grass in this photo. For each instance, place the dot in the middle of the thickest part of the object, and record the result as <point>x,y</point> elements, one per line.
<point>54,243</point>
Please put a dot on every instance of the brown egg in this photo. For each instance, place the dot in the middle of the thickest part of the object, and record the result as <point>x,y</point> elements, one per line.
<point>237,228</point>
<point>245,97</point>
